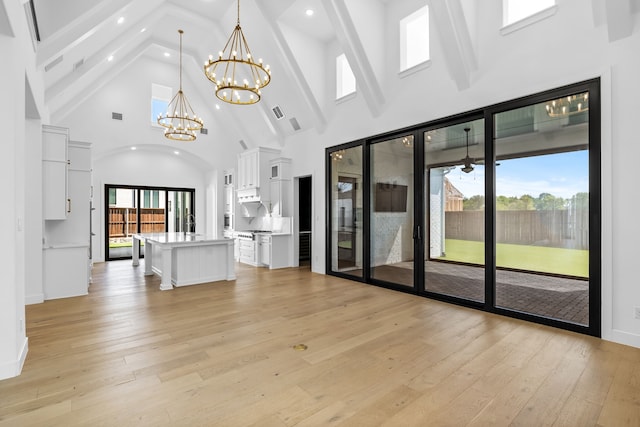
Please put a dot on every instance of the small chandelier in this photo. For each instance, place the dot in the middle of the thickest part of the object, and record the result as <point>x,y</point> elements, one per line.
<point>337,155</point>
<point>180,121</point>
<point>237,77</point>
<point>568,105</point>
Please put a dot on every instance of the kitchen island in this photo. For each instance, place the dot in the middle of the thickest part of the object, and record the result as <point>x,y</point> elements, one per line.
<point>183,259</point>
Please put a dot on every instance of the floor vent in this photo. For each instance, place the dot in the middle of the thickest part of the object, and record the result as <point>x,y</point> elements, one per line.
<point>116,116</point>
<point>78,64</point>
<point>277,112</point>
<point>294,123</point>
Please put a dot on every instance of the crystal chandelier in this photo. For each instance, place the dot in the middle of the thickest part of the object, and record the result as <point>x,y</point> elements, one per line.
<point>237,77</point>
<point>568,105</point>
<point>180,121</point>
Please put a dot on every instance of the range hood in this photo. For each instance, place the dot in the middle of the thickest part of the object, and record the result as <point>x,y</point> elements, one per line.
<point>253,209</point>
<point>249,195</point>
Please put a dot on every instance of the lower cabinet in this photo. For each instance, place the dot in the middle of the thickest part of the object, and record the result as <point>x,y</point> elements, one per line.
<point>264,249</point>
<point>248,251</point>
<point>66,271</point>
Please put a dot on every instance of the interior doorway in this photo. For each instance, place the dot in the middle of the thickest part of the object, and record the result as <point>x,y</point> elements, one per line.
<point>304,220</point>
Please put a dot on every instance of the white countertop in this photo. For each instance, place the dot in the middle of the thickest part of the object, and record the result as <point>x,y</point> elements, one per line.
<point>181,238</point>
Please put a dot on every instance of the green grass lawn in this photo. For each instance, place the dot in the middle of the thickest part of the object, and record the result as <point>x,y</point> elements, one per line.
<point>570,262</point>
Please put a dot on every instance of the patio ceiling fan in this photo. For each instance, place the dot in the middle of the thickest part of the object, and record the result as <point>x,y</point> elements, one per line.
<point>468,161</point>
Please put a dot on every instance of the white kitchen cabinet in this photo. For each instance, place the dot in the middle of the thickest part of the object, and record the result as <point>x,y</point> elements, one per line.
<point>280,187</point>
<point>264,249</point>
<point>66,269</point>
<point>274,250</point>
<point>67,263</point>
<point>229,201</point>
<point>248,170</point>
<point>253,174</point>
<point>55,163</point>
<point>248,252</point>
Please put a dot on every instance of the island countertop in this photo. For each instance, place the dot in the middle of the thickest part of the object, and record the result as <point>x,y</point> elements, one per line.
<point>180,238</point>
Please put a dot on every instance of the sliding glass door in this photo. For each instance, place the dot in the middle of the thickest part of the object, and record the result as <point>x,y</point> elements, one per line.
<point>542,209</point>
<point>131,209</point>
<point>454,205</point>
<point>346,211</point>
<point>391,211</point>
<point>503,215</point>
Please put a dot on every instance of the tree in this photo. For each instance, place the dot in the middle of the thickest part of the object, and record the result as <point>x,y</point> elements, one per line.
<point>473,203</point>
<point>549,202</point>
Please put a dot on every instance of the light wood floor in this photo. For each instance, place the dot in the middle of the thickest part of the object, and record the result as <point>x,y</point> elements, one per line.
<point>222,354</point>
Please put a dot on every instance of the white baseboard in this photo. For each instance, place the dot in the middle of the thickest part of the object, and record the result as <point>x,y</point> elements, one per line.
<point>34,299</point>
<point>13,368</point>
<point>622,337</point>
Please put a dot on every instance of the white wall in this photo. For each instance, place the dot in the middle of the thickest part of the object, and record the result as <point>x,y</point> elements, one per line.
<point>147,166</point>
<point>21,216</point>
<point>560,50</point>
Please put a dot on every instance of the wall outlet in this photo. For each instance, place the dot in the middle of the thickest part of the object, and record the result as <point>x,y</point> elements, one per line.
<point>636,312</point>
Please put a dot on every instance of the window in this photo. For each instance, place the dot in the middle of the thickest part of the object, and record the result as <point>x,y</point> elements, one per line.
<point>345,80</point>
<point>517,10</point>
<point>414,39</point>
<point>160,97</point>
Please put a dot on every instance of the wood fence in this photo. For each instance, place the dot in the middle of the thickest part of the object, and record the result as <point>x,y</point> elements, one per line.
<point>555,228</point>
<point>123,222</point>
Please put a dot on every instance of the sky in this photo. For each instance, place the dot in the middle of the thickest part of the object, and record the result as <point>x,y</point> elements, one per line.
<point>561,174</point>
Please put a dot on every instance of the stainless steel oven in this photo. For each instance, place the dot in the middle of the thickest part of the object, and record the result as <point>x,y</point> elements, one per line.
<point>228,222</point>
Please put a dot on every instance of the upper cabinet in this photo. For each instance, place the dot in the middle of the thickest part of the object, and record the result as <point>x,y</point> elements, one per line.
<point>229,200</point>
<point>254,169</point>
<point>280,186</point>
<point>55,169</point>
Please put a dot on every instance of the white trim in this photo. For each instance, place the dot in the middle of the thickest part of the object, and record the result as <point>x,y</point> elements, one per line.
<point>416,68</point>
<point>346,97</point>
<point>529,20</point>
<point>622,337</point>
<point>606,214</point>
<point>34,299</point>
<point>14,368</point>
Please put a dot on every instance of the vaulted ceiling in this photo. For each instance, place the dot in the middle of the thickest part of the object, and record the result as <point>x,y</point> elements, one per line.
<point>77,37</point>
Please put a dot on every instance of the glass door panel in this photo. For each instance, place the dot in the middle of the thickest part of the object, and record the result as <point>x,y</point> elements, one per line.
<point>391,211</point>
<point>181,213</point>
<point>122,221</point>
<point>542,209</point>
<point>454,198</point>
<point>346,211</point>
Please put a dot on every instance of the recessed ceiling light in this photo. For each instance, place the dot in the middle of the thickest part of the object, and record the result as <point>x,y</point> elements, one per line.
<point>176,152</point>
<point>120,20</point>
<point>309,12</point>
<point>134,148</point>
<point>217,106</point>
<point>167,54</point>
<point>110,58</point>
<point>143,30</point>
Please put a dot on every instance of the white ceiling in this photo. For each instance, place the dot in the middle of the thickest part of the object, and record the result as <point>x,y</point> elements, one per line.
<point>77,37</point>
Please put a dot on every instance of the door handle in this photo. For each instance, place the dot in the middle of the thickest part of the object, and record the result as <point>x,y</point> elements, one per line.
<point>417,234</point>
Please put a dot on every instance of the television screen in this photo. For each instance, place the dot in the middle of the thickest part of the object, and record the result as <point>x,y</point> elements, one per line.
<point>390,197</point>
